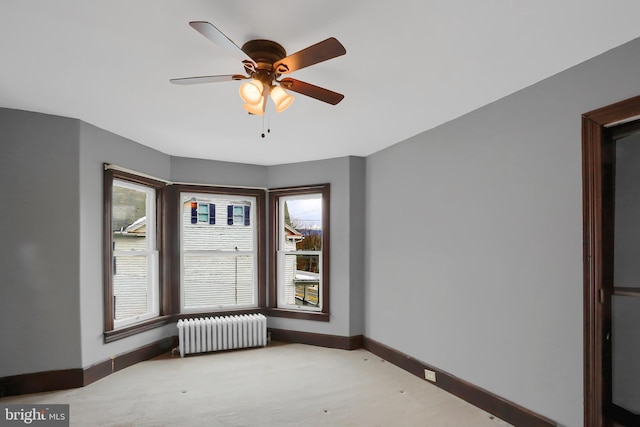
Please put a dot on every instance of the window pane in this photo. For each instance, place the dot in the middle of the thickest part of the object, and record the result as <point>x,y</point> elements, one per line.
<point>238,215</point>
<point>218,280</point>
<point>203,212</point>
<point>302,224</point>
<point>301,279</point>
<point>206,236</point>
<point>129,212</point>
<point>130,285</point>
<point>135,259</point>
<point>300,245</point>
<point>219,257</point>
<point>129,242</point>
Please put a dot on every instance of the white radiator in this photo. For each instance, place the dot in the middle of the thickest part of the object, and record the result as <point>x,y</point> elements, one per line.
<point>221,333</point>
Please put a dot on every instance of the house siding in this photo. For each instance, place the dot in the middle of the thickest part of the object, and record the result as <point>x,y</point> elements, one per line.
<point>130,277</point>
<point>289,273</point>
<point>213,273</point>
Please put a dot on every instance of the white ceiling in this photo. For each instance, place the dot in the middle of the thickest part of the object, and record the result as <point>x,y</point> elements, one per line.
<point>410,66</point>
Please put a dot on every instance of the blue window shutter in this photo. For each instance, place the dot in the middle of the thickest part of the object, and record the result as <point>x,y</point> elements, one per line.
<point>212,213</point>
<point>230,215</point>
<point>194,214</point>
<point>247,211</point>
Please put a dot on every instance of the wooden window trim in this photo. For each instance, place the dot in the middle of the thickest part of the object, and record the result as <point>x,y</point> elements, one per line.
<point>164,294</point>
<point>274,197</point>
<point>127,331</point>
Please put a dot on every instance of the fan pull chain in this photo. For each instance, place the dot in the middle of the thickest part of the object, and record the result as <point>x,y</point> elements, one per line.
<point>268,125</point>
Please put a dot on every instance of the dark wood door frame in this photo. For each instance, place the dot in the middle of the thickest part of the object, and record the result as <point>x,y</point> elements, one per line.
<point>594,125</point>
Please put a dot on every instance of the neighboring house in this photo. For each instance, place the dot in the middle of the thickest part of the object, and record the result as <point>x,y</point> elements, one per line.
<point>218,267</point>
<point>291,239</point>
<point>130,272</point>
<point>301,286</point>
<point>215,274</point>
<point>219,263</point>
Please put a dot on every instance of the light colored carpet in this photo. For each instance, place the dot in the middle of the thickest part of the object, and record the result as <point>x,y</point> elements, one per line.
<point>279,385</point>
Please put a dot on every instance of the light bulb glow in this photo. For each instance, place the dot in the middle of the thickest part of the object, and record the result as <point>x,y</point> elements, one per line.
<point>251,92</point>
<point>281,98</point>
<point>254,108</point>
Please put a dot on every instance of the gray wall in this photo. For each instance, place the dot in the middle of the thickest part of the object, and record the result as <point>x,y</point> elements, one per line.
<point>626,309</point>
<point>51,221</point>
<point>347,177</point>
<point>481,273</point>
<point>357,242</point>
<point>39,261</point>
<point>97,147</point>
<point>199,171</point>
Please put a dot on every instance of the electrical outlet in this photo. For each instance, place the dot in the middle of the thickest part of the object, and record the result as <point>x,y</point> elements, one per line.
<point>429,375</point>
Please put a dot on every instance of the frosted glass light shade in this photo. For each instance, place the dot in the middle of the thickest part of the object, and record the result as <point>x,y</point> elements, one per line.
<point>281,98</point>
<point>251,92</point>
<point>256,109</point>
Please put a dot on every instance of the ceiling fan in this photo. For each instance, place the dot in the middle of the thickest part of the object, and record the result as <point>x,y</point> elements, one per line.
<point>264,62</point>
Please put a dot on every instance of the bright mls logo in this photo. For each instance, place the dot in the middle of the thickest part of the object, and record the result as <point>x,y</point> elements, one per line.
<point>38,415</point>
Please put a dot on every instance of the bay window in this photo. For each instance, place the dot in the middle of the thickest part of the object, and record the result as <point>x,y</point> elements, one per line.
<point>174,250</point>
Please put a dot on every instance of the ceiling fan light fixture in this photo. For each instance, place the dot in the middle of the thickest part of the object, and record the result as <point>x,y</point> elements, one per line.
<point>281,98</point>
<point>258,107</point>
<point>264,61</point>
<point>251,92</point>
<point>254,109</point>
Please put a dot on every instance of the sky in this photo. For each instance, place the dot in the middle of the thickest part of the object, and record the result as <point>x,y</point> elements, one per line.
<point>306,211</point>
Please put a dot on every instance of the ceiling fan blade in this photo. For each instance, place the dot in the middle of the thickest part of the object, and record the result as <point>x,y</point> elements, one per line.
<point>323,51</point>
<point>207,79</point>
<point>208,30</point>
<point>313,91</point>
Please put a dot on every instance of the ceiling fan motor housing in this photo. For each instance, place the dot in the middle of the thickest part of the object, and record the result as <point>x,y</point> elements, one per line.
<point>264,52</point>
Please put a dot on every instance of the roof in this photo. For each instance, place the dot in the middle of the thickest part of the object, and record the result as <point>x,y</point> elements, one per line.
<point>136,228</point>
<point>292,234</point>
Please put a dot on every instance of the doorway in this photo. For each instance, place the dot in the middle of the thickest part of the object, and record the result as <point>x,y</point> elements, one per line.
<point>611,136</point>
